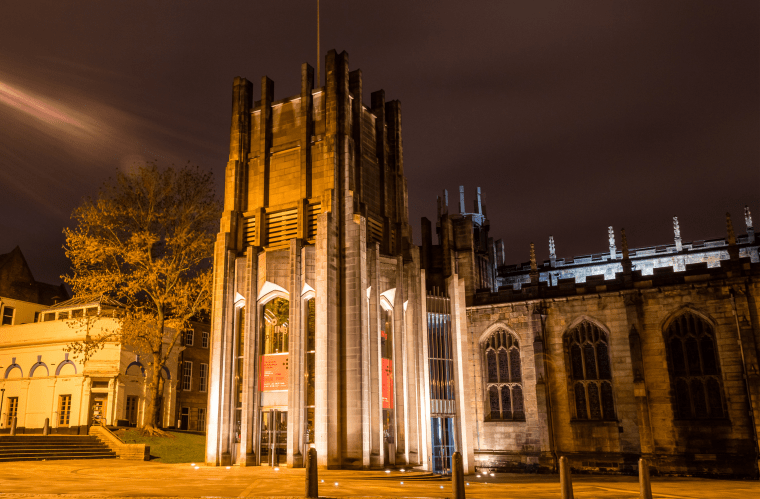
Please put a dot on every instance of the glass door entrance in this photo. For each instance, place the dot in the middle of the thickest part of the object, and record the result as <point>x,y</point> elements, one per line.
<point>274,436</point>
<point>443,444</point>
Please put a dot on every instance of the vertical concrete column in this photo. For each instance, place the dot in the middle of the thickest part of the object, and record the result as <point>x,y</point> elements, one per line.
<point>377,453</point>
<point>400,365</point>
<point>307,128</point>
<point>354,294</point>
<point>265,146</point>
<point>396,160</point>
<point>327,372</point>
<point>217,439</point>
<point>412,321</point>
<point>250,361</point>
<point>364,345</point>
<point>460,346</point>
<point>357,122</point>
<point>295,363</point>
<point>426,449</point>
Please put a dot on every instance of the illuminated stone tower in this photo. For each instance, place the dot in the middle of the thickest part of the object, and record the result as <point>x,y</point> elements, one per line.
<point>318,336</point>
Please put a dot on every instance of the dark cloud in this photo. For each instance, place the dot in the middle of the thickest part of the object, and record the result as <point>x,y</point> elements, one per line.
<point>572,116</point>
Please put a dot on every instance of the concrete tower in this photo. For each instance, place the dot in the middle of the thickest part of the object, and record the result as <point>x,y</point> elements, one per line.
<point>319,329</point>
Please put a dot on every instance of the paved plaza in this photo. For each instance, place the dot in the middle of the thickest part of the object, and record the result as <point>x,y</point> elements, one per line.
<point>115,478</point>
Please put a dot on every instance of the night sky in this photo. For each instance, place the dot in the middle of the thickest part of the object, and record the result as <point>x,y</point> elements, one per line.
<point>572,116</point>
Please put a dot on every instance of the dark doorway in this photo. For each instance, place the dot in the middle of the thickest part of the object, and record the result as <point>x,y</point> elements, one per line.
<point>184,418</point>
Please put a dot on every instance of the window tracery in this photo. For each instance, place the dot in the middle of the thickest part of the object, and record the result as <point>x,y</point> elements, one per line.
<point>694,368</point>
<point>590,372</point>
<point>501,351</point>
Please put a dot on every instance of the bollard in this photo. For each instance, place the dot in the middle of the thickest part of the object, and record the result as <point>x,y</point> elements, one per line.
<point>46,428</point>
<point>312,482</point>
<point>457,475</point>
<point>13,426</point>
<point>565,481</point>
<point>644,486</point>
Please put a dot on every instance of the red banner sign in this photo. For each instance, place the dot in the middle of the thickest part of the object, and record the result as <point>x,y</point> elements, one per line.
<point>387,384</point>
<point>274,372</point>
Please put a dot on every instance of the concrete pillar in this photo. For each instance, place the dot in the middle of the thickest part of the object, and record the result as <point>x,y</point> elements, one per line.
<point>377,449</point>
<point>295,362</point>
<point>46,427</point>
<point>14,421</point>
<point>220,363</point>
<point>399,365</point>
<point>327,373</point>
<point>426,443</point>
<point>248,442</point>
<point>460,347</point>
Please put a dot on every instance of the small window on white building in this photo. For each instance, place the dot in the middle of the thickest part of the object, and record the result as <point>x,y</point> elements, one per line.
<point>189,337</point>
<point>204,377</point>
<point>187,375</point>
<point>204,339</point>
<point>7,316</point>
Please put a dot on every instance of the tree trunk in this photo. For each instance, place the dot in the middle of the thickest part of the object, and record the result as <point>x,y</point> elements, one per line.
<point>149,426</point>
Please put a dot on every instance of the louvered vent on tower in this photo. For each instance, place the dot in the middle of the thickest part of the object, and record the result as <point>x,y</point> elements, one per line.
<point>282,226</point>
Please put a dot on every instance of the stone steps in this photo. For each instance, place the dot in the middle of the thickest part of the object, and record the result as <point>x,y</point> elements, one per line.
<point>52,447</point>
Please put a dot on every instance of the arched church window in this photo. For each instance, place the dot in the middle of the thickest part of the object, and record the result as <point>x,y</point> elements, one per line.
<point>694,368</point>
<point>501,351</point>
<point>590,373</point>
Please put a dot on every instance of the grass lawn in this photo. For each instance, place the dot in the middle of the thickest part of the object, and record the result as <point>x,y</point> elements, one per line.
<point>183,448</point>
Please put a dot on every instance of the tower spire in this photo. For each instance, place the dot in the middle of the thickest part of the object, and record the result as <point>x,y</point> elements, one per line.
<point>748,222</point>
<point>552,252</point>
<point>677,233</point>
<point>319,53</point>
<point>611,236</point>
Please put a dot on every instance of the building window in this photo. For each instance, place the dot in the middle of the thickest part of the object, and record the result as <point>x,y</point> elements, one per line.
<point>12,410</point>
<point>204,339</point>
<point>7,316</point>
<point>187,375</point>
<point>131,414</point>
<point>64,410</point>
<point>203,378</point>
<point>189,337</point>
<point>310,349</point>
<point>590,372</point>
<point>504,377</point>
<point>388,384</point>
<point>201,418</point>
<point>275,327</point>
<point>694,368</point>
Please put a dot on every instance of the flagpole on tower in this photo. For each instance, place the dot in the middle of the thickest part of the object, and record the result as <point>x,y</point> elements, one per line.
<point>319,81</point>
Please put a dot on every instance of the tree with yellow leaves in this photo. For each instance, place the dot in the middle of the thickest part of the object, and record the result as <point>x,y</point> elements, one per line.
<point>146,242</point>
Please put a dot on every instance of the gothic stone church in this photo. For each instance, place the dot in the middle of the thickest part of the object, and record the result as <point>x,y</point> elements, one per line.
<point>332,330</point>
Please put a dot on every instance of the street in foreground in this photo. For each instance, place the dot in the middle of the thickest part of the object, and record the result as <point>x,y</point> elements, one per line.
<point>115,478</point>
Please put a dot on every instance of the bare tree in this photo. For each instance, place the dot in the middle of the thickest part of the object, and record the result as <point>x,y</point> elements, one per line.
<point>146,242</point>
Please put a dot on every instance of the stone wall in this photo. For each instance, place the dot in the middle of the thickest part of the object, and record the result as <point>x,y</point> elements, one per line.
<point>646,422</point>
